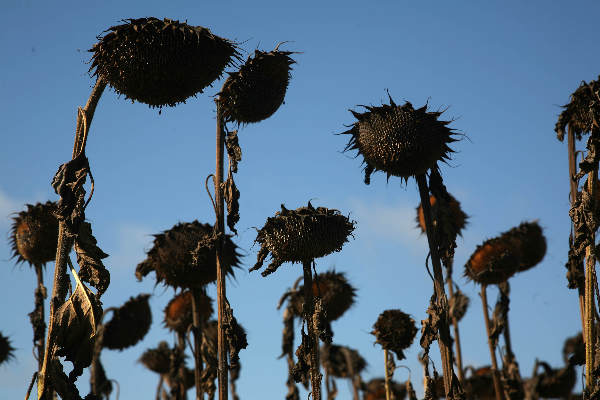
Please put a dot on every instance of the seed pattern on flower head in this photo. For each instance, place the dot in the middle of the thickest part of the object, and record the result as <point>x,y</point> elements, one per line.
<point>301,235</point>
<point>34,234</point>
<point>160,62</point>
<point>172,257</point>
<point>399,140</point>
<point>256,91</point>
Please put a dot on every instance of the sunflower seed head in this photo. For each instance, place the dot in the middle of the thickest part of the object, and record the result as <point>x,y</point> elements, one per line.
<point>34,234</point>
<point>394,330</point>
<point>129,323</point>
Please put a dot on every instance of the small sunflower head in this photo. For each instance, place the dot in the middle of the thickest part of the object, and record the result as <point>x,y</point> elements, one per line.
<point>580,112</point>
<point>493,262</point>
<point>160,62</point>
<point>161,358</point>
<point>301,235</point>
<point>7,352</point>
<point>400,140</point>
<point>449,215</point>
<point>394,331</point>
<point>333,289</point>
<point>256,91</point>
<point>528,242</point>
<point>129,323</point>
<point>34,234</point>
<point>172,256</point>
<point>179,311</point>
<point>342,361</point>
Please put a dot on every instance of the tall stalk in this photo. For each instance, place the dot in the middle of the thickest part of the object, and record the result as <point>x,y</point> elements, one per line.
<point>486,317</point>
<point>309,308</point>
<point>197,329</point>
<point>65,242</point>
<point>40,296</point>
<point>590,274</point>
<point>222,372</point>
<point>438,283</point>
<point>388,383</point>
<point>454,321</point>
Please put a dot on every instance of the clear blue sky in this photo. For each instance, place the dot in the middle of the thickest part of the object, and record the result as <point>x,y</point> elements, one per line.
<point>501,68</point>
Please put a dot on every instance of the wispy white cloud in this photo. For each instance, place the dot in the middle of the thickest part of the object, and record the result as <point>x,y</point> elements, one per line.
<point>132,240</point>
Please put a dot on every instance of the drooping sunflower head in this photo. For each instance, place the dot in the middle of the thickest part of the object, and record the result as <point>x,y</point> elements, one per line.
<point>160,62</point>
<point>256,91</point>
<point>129,323</point>
<point>162,358</point>
<point>34,234</point>
<point>581,111</point>
<point>301,235</point>
<point>450,216</point>
<point>342,361</point>
<point>334,290</point>
<point>178,260</point>
<point>400,140</point>
<point>529,244</point>
<point>179,311</point>
<point>394,330</point>
<point>7,352</point>
<point>375,389</point>
<point>493,262</point>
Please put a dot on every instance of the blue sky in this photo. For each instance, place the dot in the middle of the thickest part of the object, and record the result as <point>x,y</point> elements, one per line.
<point>501,68</point>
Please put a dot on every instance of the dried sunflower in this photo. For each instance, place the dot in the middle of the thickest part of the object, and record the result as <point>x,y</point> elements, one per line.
<point>400,140</point>
<point>129,323</point>
<point>335,361</point>
<point>34,234</point>
<point>451,218</point>
<point>162,359</point>
<point>6,349</point>
<point>458,304</point>
<point>256,91</point>
<point>336,294</point>
<point>375,390</point>
<point>480,385</point>
<point>395,331</point>
<point>179,313</point>
<point>172,257</point>
<point>301,235</point>
<point>493,262</point>
<point>160,62</point>
<point>579,112</point>
<point>528,242</point>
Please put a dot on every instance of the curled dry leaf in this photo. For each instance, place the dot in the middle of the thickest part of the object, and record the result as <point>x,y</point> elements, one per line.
<point>89,258</point>
<point>68,184</point>
<point>76,327</point>
<point>232,198</point>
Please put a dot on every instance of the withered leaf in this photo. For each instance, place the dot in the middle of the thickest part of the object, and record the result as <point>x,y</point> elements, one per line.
<point>234,151</point>
<point>76,328</point>
<point>68,184</point>
<point>235,335</point>
<point>89,258</point>
<point>232,198</point>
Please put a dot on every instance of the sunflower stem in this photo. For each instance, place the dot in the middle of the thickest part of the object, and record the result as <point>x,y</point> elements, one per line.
<point>223,369</point>
<point>65,242</point>
<point>309,307</point>
<point>38,312</point>
<point>573,190</point>
<point>486,318</point>
<point>438,283</point>
<point>590,273</point>
<point>181,372</point>
<point>388,392</point>
<point>197,329</point>
<point>459,364</point>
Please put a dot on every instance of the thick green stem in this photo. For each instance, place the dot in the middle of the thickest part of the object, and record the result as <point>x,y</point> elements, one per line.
<point>309,307</point>
<point>65,242</point>
<point>222,371</point>
<point>438,283</point>
<point>486,317</point>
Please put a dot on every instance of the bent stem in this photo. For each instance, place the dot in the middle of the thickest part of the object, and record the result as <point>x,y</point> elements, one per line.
<point>309,307</point>
<point>222,371</point>
<point>65,242</point>
<point>486,317</point>
<point>438,283</point>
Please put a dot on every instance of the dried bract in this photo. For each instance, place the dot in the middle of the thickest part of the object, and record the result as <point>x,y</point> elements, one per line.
<point>179,311</point>
<point>342,361</point>
<point>256,91</point>
<point>6,349</point>
<point>34,234</point>
<point>172,259</point>
<point>395,331</point>
<point>400,140</point>
<point>528,242</point>
<point>493,262</point>
<point>129,323</point>
<point>160,62</point>
<point>301,235</point>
